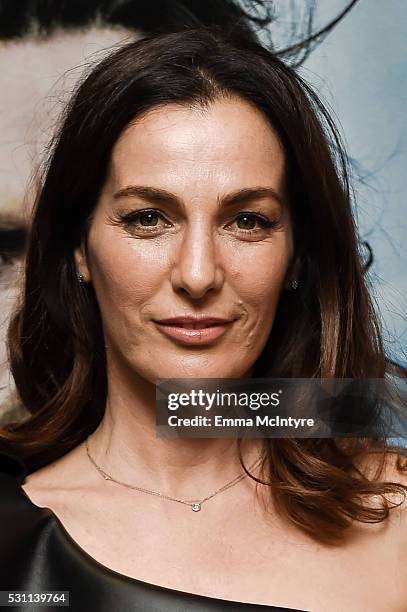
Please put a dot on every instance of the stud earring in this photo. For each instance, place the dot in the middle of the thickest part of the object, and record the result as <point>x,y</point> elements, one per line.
<point>80,277</point>
<point>294,284</point>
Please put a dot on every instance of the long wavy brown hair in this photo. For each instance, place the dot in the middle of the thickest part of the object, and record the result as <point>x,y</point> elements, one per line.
<point>325,329</point>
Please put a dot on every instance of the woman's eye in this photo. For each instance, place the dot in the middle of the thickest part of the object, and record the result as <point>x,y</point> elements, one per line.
<point>251,223</point>
<point>145,220</point>
<point>246,222</point>
<point>148,218</point>
<point>151,221</point>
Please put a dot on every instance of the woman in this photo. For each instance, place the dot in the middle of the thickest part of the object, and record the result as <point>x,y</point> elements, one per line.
<point>195,176</point>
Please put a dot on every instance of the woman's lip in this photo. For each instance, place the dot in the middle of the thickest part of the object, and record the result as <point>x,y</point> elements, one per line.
<point>193,336</point>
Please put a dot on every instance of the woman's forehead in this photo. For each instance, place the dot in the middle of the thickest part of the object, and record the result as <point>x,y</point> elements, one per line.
<point>176,145</point>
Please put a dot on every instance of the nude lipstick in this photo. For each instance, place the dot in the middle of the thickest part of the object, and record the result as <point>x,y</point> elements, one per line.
<point>194,330</point>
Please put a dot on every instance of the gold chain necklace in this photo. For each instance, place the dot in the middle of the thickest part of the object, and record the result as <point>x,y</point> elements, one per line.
<point>195,505</point>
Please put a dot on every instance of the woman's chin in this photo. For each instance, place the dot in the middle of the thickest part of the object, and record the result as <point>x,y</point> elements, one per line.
<point>194,372</point>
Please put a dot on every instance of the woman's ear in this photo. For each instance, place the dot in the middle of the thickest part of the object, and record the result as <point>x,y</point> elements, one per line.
<point>81,263</point>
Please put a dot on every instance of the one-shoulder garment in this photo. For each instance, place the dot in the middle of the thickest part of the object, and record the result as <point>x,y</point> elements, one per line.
<point>38,555</point>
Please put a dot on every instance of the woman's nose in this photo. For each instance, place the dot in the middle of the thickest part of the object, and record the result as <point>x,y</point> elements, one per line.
<point>197,268</point>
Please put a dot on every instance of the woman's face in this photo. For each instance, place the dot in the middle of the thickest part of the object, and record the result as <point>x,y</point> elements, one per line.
<point>192,220</point>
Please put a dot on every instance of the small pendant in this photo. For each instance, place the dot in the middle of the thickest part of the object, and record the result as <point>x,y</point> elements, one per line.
<point>196,507</point>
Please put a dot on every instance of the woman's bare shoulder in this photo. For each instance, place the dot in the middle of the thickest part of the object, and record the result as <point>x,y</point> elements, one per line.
<point>390,468</point>
<point>46,484</point>
<point>385,541</point>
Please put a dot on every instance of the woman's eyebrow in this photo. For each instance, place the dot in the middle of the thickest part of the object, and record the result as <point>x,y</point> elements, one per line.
<point>251,193</point>
<point>240,196</point>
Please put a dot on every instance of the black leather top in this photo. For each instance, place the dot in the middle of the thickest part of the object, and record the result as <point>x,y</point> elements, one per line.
<point>37,554</point>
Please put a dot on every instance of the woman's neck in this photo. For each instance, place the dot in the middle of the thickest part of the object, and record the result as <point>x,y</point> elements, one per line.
<point>127,447</point>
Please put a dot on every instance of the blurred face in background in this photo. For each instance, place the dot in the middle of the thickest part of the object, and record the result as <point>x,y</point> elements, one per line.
<point>36,78</point>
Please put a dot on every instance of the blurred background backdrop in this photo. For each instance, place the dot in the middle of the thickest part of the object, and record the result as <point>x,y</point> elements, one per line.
<point>361,70</point>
